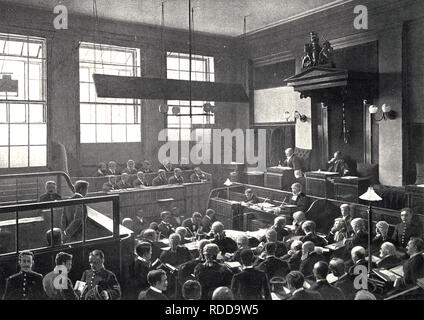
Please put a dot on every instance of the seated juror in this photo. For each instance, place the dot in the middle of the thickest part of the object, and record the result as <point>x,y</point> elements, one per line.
<point>130,169</point>
<point>177,178</point>
<point>250,197</point>
<point>140,181</point>
<point>124,183</point>
<point>51,192</point>
<point>112,169</point>
<point>160,179</point>
<point>147,167</point>
<point>111,184</point>
<point>198,175</point>
<point>167,166</point>
<point>101,170</point>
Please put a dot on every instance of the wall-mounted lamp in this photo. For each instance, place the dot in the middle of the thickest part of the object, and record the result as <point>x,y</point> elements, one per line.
<point>301,117</point>
<point>388,113</point>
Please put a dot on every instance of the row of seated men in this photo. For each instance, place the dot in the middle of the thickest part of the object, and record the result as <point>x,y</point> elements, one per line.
<point>111,169</point>
<point>278,258</point>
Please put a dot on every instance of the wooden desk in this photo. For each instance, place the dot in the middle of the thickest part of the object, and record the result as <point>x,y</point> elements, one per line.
<point>318,184</point>
<point>280,178</point>
<point>255,178</point>
<point>350,188</point>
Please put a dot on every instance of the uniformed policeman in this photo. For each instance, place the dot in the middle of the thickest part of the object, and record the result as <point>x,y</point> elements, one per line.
<point>100,283</point>
<point>26,284</point>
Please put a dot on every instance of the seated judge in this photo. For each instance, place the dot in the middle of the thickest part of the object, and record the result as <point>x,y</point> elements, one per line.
<point>413,268</point>
<point>208,219</point>
<point>140,181</point>
<point>338,232</point>
<point>193,224</point>
<point>250,197</point>
<point>177,254</point>
<point>111,184</point>
<point>211,274</point>
<point>309,258</point>
<point>165,227</point>
<point>198,175</point>
<point>292,160</point>
<point>101,170</point>
<point>337,164</point>
<point>298,198</point>
<point>271,265</point>
<point>113,169</point>
<point>250,283</point>
<point>166,166</point>
<point>147,167</point>
<point>158,282</point>
<point>381,235</point>
<point>308,228</point>
<point>388,258</point>
<point>130,169</point>
<point>51,192</point>
<point>409,227</point>
<point>124,183</point>
<point>327,291</point>
<point>343,281</point>
<point>142,265</point>
<point>160,179</point>
<point>295,281</point>
<point>224,243</point>
<point>299,218</point>
<point>177,178</point>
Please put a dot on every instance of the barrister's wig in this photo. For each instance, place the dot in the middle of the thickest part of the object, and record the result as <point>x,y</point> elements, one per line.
<point>383,226</point>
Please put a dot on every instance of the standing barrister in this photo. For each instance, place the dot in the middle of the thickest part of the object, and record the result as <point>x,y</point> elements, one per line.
<point>26,284</point>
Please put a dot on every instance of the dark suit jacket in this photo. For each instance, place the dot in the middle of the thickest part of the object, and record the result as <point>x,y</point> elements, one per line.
<point>281,233</point>
<point>225,245</point>
<point>141,269</point>
<point>188,224</point>
<point>50,197</point>
<point>250,284</point>
<point>175,258</point>
<point>122,185</point>
<point>345,284</point>
<point>280,250</point>
<point>317,240</point>
<point>338,166</point>
<point>100,173</point>
<point>149,294</point>
<point>294,260</point>
<point>195,178</point>
<point>175,180</point>
<point>116,173</point>
<point>274,267</point>
<point>306,295</point>
<point>307,265</point>
<point>207,223</point>
<point>158,181</point>
<point>359,239</point>
<point>351,270</point>
<point>130,171</point>
<point>413,269</point>
<point>71,220</point>
<point>301,202</point>
<point>24,286</point>
<point>137,183</point>
<point>327,291</point>
<point>165,229</point>
<point>412,230</point>
<point>388,262</point>
<point>212,275</point>
<point>294,162</point>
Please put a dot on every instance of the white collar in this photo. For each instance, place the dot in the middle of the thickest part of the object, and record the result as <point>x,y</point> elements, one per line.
<point>415,254</point>
<point>247,267</point>
<point>142,259</point>
<point>155,289</point>
<point>298,290</point>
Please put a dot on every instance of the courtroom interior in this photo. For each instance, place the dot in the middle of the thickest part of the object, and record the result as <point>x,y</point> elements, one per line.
<point>211,150</point>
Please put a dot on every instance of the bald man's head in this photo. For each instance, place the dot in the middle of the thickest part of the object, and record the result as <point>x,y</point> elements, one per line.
<point>320,270</point>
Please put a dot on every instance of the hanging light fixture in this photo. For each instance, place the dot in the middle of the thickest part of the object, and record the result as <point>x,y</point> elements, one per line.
<point>163,108</point>
<point>176,110</point>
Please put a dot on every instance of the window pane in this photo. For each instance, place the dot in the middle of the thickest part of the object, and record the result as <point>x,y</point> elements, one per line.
<point>103,114</point>
<point>184,75</point>
<point>17,113</point>
<point>3,113</point>
<point>118,133</point>
<point>172,63</point>
<point>34,71</point>
<point>14,47</point>
<point>103,133</point>
<point>18,134</point>
<point>88,133</point>
<point>87,113</point>
<point>38,156</point>
<point>119,114</point>
<point>35,89</point>
<point>173,134</point>
<point>185,134</point>
<point>133,133</point>
<point>171,74</point>
<point>184,65</point>
<point>18,157</point>
<point>38,134</point>
<point>36,113</point>
<point>4,134</point>
<point>4,157</point>
<point>84,92</point>
<point>84,74</point>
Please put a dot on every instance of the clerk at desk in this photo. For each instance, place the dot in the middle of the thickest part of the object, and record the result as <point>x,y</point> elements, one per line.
<point>251,198</point>
<point>298,198</point>
<point>292,160</point>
